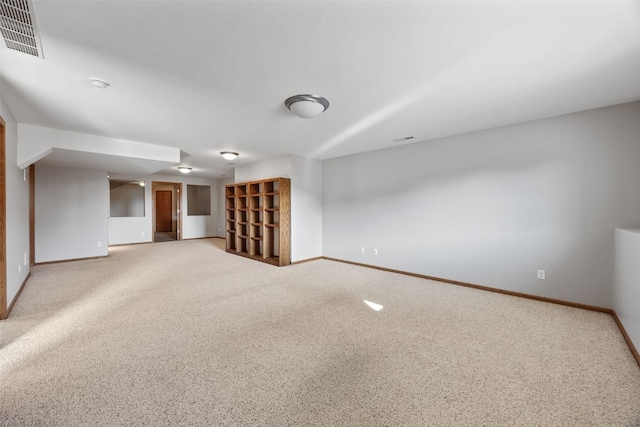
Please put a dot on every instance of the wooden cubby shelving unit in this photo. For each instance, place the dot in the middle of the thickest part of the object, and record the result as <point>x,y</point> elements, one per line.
<point>258,220</point>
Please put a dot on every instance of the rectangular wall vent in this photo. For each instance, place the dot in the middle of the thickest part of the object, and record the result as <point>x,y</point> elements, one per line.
<point>18,27</point>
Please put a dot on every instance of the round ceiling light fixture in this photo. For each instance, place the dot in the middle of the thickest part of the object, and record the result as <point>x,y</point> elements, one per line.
<point>99,83</point>
<point>229,155</point>
<point>184,169</point>
<point>307,106</point>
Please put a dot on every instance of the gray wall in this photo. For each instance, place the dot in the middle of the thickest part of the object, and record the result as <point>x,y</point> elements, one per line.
<point>71,213</point>
<point>126,201</point>
<point>626,290</point>
<point>306,208</point>
<point>492,207</point>
<point>199,200</point>
<point>279,167</point>
<point>17,225</point>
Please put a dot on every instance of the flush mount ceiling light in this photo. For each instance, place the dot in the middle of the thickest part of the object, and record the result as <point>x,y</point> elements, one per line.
<point>307,106</point>
<point>141,183</point>
<point>100,84</point>
<point>184,169</point>
<point>229,155</point>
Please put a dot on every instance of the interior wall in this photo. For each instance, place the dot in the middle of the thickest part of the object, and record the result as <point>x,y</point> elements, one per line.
<point>139,230</point>
<point>199,226</point>
<point>70,213</point>
<point>493,207</point>
<point>306,208</point>
<point>199,200</point>
<point>17,209</point>
<point>126,201</point>
<point>626,290</point>
<point>125,231</point>
<point>279,167</point>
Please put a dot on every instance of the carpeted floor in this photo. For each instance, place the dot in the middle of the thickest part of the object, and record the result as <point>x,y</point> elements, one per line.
<point>185,334</point>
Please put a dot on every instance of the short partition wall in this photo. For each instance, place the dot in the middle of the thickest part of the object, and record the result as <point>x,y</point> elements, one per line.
<point>258,220</point>
<point>626,289</point>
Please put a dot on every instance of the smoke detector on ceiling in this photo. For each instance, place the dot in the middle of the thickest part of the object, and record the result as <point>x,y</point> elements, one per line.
<point>18,27</point>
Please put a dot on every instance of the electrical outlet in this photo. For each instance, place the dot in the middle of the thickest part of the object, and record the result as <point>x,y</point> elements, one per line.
<point>25,258</point>
<point>19,269</point>
<point>541,275</point>
<point>99,244</point>
<point>361,249</point>
<point>375,252</point>
<point>143,233</point>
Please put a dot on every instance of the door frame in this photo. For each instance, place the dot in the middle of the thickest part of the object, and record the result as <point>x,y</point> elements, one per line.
<point>32,215</point>
<point>177,186</point>
<point>3,223</point>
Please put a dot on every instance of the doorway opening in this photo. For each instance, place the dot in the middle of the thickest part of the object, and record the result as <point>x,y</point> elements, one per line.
<point>167,211</point>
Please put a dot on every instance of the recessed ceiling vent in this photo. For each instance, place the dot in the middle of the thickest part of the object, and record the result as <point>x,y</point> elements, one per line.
<point>18,27</point>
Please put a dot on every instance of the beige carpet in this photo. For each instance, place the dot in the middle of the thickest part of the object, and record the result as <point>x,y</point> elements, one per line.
<point>185,334</point>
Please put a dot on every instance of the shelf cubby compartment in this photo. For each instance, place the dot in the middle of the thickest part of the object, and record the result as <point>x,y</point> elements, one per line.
<point>256,216</point>
<point>271,201</point>
<point>272,186</point>
<point>242,202</point>
<point>256,247</point>
<point>231,203</point>
<point>272,217</point>
<point>256,187</point>
<point>257,231</point>
<point>268,242</point>
<point>256,202</point>
<point>242,244</point>
<point>231,240</point>
<point>243,229</point>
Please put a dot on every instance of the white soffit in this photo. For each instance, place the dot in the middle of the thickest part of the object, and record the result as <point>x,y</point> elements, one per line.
<point>121,165</point>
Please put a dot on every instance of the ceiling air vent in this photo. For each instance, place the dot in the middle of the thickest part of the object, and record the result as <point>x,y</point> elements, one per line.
<point>18,27</point>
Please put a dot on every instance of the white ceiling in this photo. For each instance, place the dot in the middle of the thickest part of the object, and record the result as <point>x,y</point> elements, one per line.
<point>208,76</point>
